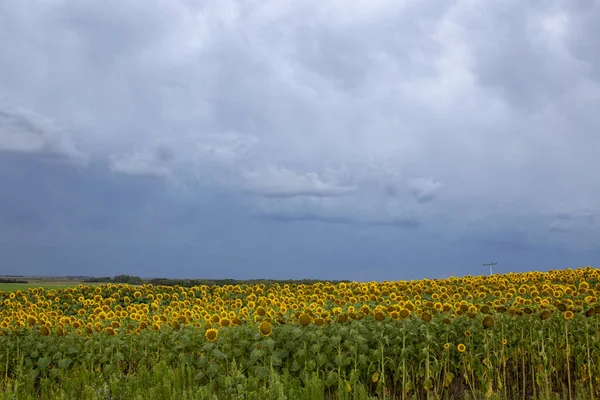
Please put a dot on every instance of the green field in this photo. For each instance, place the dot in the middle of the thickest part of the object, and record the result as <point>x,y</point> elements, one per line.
<point>46,284</point>
<point>532,335</point>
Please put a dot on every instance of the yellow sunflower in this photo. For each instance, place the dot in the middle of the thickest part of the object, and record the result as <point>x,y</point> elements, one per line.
<point>569,315</point>
<point>265,328</point>
<point>211,335</point>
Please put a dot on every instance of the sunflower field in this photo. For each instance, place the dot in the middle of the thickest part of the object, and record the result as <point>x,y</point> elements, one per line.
<point>531,335</point>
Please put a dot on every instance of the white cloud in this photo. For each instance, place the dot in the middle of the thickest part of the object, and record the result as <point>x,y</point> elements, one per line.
<point>282,182</point>
<point>25,131</point>
<point>142,163</point>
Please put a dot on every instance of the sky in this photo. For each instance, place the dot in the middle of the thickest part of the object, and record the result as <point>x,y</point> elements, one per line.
<point>363,140</point>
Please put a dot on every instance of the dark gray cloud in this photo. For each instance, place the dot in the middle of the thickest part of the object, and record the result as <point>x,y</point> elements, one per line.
<point>471,123</point>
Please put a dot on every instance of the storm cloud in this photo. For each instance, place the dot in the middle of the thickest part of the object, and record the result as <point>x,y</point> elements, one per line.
<point>190,138</point>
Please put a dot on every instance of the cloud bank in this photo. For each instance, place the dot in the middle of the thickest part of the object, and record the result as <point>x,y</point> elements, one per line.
<point>467,123</point>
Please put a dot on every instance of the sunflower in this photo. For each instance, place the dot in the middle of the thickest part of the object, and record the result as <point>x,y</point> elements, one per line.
<point>375,377</point>
<point>304,319</point>
<point>211,334</point>
<point>265,328</point>
<point>504,341</point>
<point>568,315</point>
<point>461,347</point>
<point>590,312</point>
<point>446,346</point>
<point>261,311</point>
<point>44,331</point>
<point>488,322</point>
<point>545,315</point>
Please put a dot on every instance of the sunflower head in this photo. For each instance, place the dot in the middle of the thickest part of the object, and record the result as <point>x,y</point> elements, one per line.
<point>568,315</point>
<point>426,317</point>
<point>591,312</point>
<point>545,315</point>
<point>461,347</point>
<point>488,322</point>
<point>265,328</point>
<point>304,319</point>
<point>211,334</point>
<point>60,331</point>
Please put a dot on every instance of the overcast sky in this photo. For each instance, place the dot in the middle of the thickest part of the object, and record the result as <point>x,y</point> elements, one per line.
<point>353,139</point>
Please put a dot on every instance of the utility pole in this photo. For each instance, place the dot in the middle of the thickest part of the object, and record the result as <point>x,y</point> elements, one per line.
<point>490,265</point>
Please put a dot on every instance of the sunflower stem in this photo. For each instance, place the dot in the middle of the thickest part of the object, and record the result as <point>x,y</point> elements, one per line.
<point>589,360</point>
<point>568,359</point>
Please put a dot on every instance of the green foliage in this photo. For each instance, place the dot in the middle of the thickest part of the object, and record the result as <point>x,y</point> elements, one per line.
<point>362,358</point>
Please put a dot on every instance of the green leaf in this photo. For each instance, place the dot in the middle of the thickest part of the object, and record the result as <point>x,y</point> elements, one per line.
<point>200,376</point>
<point>256,354</point>
<point>331,378</point>
<point>295,366</point>
<point>64,363</point>
<point>321,359</point>
<point>261,372</point>
<point>44,362</point>
<point>212,370</point>
<point>283,353</point>
<point>276,360</point>
<point>219,355</point>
